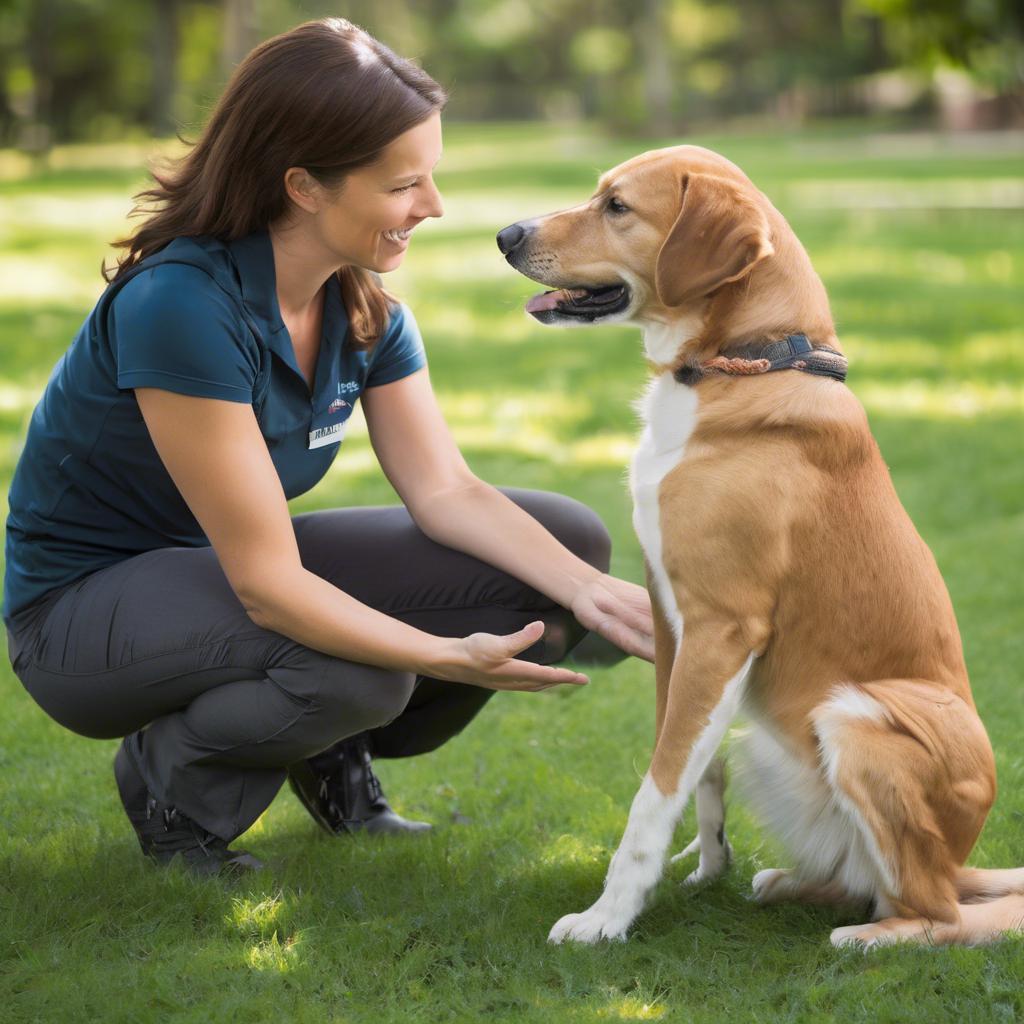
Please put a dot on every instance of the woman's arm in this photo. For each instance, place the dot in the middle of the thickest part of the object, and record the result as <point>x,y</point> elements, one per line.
<point>216,455</point>
<point>455,508</point>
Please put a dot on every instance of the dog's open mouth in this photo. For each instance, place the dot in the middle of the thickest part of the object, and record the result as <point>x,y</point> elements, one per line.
<point>580,303</point>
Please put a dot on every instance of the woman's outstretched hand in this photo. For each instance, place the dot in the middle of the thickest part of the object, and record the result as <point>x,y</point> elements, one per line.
<point>488,660</point>
<point>618,611</point>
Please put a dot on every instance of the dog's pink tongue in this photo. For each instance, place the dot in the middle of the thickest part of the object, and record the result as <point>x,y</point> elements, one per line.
<point>547,300</point>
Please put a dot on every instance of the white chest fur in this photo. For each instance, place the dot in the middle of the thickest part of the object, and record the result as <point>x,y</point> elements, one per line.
<point>669,413</point>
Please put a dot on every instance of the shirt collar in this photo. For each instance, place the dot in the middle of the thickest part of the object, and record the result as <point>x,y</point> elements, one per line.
<point>253,255</point>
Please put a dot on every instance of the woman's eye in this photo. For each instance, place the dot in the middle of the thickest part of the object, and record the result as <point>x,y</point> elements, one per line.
<point>404,188</point>
<point>615,206</point>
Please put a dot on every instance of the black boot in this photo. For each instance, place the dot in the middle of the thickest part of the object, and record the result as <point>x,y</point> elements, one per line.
<point>163,831</point>
<point>340,791</point>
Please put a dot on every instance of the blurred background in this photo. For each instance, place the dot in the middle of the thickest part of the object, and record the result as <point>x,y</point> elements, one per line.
<point>96,70</point>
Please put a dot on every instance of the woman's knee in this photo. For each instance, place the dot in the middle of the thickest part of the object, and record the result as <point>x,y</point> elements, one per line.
<point>358,697</point>
<point>576,525</point>
<point>561,634</point>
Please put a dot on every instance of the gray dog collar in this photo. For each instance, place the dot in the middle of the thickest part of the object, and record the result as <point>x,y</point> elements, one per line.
<point>794,352</point>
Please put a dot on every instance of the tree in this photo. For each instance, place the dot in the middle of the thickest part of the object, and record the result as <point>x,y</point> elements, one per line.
<point>241,32</point>
<point>166,40</point>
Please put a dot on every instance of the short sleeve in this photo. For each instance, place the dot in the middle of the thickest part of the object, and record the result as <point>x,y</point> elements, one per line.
<point>399,352</point>
<point>173,327</point>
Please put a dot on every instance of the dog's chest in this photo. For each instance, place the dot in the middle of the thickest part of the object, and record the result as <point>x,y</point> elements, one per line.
<point>669,412</point>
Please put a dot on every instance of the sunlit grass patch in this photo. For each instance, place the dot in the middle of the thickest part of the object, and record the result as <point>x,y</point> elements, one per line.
<point>254,917</point>
<point>964,400</point>
<point>273,954</point>
<point>573,850</point>
<point>899,194</point>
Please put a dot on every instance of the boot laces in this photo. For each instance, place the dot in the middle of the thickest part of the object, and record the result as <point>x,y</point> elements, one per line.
<point>331,789</point>
<point>178,831</point>
<point>373,786</point>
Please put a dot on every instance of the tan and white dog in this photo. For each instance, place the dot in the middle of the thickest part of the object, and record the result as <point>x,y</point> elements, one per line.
<point>785,575</point>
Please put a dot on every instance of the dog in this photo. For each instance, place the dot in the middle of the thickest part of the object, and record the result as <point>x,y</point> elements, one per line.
<point>785,576</point>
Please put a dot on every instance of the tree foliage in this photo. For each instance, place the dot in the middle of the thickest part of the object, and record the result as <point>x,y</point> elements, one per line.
<point>74,69</point>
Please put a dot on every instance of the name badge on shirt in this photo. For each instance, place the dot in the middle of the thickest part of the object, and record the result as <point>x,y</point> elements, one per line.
<point>320,436</point>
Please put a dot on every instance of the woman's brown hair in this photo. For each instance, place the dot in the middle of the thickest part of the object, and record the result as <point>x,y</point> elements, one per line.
<point>325,96</point>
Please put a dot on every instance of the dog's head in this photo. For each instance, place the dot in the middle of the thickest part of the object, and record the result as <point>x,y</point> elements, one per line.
<point>663,235</point>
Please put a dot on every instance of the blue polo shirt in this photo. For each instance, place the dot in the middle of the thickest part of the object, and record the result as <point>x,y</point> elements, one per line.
<point>201,318</point>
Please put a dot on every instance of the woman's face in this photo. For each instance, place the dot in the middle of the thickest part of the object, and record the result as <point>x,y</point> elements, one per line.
<point>367,222</point>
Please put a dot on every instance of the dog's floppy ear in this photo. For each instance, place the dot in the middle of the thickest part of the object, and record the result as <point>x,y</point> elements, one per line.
<point>719,235</point>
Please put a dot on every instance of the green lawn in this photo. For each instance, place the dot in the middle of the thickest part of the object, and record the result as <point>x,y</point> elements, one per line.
<point>919,240</point>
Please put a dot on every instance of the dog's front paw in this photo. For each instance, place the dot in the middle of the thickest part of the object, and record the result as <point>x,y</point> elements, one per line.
<point>589,927</point>
<point>713,861</point>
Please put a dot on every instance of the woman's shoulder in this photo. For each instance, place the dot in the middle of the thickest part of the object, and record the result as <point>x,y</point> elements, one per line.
<point>178,311</point>
<point>400,319</point>
<point>399,351</point>
<point>187,279</point>
<point>173,325</point>
<point>189,256</point>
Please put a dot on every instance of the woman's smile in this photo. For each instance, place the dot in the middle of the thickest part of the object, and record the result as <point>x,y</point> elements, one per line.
<point>399,236</point>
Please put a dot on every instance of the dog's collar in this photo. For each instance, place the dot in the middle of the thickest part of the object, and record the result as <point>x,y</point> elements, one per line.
<point>794,352</point>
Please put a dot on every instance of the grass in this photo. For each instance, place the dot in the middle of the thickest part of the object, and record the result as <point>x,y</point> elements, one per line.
<point>919,240</point>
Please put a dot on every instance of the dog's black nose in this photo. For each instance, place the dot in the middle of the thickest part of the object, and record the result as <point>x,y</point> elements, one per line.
<point>510,237</point>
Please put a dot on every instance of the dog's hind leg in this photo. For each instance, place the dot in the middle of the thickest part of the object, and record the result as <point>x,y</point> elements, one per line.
<point>976,924</point>
<point>912,770</point>
<point>779,885</point>
<point>710,842</point>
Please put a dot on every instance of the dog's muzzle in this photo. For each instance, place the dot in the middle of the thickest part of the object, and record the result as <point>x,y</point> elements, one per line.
<point>585,303</point>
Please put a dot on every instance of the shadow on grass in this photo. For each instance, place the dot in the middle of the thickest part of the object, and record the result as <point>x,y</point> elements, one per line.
<point>426,930</point>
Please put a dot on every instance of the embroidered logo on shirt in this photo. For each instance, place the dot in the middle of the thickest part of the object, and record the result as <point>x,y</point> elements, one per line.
<point>347,387</point>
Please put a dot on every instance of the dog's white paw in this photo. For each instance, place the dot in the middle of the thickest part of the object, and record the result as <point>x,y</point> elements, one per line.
<point>765,884</point>
<point>882,933</point>
<point>712,863</point>
<point>858,936</point>
<point>589,927</point>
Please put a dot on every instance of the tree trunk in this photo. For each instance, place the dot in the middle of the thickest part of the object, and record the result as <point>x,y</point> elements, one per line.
<point>37,134</point>
<point>241,32</point>
<point>165,65</point>
<point>657,67</point>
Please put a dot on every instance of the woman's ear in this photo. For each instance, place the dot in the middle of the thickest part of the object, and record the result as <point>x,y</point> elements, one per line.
<point>718,237</point>
<point>303,189</point>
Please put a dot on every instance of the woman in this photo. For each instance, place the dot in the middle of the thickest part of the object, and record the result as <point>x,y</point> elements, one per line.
<point>156,587</point>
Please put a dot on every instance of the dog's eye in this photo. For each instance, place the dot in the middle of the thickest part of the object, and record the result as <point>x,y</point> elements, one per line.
<point>615,206</point>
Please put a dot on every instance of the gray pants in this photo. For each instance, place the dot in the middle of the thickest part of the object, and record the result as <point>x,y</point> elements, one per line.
<point>161,641</point>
